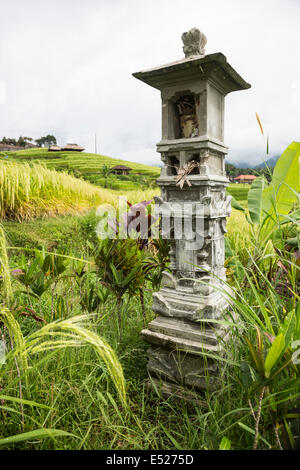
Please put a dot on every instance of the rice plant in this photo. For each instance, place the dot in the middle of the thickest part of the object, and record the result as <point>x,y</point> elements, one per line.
<point>89,167</point>
<point>32,190</point>
<point>28,191</point>
<point>71,379</point>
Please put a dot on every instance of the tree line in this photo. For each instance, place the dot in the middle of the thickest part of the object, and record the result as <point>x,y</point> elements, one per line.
<point>232,171</point>
<point>25,141</point>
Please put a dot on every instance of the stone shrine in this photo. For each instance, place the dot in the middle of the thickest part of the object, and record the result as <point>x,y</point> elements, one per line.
<point>193,185</point>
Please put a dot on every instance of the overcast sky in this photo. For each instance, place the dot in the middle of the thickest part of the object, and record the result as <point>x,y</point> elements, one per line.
<point>65,69</point>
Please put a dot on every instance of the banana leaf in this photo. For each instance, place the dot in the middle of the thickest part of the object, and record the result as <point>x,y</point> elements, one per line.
<point>280,196</point>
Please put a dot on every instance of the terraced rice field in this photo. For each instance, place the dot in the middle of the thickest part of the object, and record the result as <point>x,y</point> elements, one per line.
<point>88,167</point>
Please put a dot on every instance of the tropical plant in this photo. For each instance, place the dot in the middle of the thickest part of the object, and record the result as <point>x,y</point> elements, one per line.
<point>142,227</point>
<point>137,223</point>
<point>93,294</point>
<point>105,172</point>
<point>56,336</point>
<point>161,258</point>
<point>274,376</point>
<point>269,205</point>
<point>122,269</point>
<point>271,378</point>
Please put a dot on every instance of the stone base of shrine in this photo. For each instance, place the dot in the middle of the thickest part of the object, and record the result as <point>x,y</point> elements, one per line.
<point>183,356</point>
<point>171,390</point>
<point>205,304</point>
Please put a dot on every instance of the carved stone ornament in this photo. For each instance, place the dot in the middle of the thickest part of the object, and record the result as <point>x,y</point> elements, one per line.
<point>194,43</point>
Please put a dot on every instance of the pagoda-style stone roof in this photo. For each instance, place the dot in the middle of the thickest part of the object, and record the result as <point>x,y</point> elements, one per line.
<point>214,66</point>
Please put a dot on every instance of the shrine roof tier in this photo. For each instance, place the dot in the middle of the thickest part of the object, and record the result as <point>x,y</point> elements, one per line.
<point>212,67</point>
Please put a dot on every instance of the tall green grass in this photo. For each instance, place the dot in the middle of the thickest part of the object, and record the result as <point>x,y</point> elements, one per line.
<point>28,191</point>
<point>5,281</point>
<point>74,391</point>
<point>26,355</point>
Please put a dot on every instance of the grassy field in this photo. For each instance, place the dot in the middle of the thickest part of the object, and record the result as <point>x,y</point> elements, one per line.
<point>239,191</point>
<point>32,190</point>
<point>36,183</point>
<point>76,376</point>
<point>88,167</point>
<point>75,384</point>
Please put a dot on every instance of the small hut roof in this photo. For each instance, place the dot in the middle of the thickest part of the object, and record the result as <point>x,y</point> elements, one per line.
<point>54,147</point>
<point>72,147</point>
<point>121,167</point>
<point>245,177</point>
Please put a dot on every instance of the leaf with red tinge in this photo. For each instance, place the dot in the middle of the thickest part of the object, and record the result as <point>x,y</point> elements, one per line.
<point>271,338</point>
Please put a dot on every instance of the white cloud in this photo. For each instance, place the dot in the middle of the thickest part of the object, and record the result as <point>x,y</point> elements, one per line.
<point>67,67</point>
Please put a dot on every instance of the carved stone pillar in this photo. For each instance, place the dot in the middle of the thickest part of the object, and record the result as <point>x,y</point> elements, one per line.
<point>193,90</point>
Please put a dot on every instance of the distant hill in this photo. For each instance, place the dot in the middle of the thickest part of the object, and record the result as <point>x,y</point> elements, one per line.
<point>88,167</point>
<point>232,171</point>
<point>270,163</point>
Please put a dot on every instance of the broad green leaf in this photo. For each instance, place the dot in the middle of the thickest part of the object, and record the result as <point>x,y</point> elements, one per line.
<point>255,357</point>
<point>293,217</point>
<point>236,205</point>
<point>225,444</point>
<point>255,199</point>
<point>282,193</point>
<point>286,364</point>
<point>288,327</point>
<point>274,353</point>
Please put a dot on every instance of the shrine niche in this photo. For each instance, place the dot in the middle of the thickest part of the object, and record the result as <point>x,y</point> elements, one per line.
<point>187,114</point>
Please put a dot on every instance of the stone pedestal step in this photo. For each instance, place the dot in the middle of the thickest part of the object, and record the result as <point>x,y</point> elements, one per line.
<point>191,331</point>
<point>171,390</point>
<point>180,344</point>
<point>170,303</point>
